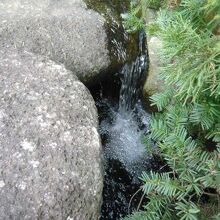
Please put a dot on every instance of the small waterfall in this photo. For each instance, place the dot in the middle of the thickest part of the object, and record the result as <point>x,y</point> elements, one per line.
<point>132,77</point>
<point>124,131</point>
<point>123,121</point>
<point>122,127</point>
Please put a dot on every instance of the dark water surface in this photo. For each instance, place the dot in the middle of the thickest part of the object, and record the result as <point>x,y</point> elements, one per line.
<point>123,121</point>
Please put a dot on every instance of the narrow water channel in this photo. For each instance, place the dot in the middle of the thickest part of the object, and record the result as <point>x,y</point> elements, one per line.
<point>123,150</point>
<point>123,124</point>
<point>123,120</point>
<point>126,122</point>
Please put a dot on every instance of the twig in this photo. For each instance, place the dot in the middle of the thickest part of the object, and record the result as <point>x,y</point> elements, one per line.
<point>132,199</point>
<point>141,200</point>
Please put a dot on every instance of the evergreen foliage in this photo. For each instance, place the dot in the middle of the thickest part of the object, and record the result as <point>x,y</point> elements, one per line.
<point>187,125</point>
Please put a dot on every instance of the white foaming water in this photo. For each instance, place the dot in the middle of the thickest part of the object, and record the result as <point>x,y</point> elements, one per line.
<point>125,140</point>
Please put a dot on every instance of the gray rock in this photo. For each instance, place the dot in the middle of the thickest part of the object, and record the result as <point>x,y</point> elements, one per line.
<point>65,31</point>
<point>150,16</point>
<point>154,83</point>
<point>50,161</point>
<point>121,45</point>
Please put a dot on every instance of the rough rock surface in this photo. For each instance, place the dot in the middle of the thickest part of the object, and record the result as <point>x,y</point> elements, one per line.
<point>121,45</point>
<point>65,31</point>
<point>150,15</point>
<point>50,163</point>
<point>153,82</point>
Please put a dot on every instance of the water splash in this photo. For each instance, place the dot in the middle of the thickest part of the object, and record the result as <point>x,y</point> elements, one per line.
<point>126,126</point>
<point>125,141</point>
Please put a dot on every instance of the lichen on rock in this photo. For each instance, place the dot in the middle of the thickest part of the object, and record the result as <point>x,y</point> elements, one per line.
<point>50,158</point>
<point>65,31</point>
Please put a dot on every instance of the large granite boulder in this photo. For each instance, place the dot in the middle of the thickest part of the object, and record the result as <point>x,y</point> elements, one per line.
<point>50,161</point>
<point>65,31</point>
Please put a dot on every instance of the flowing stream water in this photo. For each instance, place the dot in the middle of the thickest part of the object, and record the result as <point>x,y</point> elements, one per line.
<point>123,123</point>
<point>128,121</point>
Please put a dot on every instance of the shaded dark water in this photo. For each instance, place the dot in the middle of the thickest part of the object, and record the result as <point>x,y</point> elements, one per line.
<point>123,121</point>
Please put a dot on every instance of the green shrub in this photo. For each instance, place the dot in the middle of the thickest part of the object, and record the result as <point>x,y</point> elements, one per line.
<point>154,4</point>
<point>134,20</point>
<point>187,126</point>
